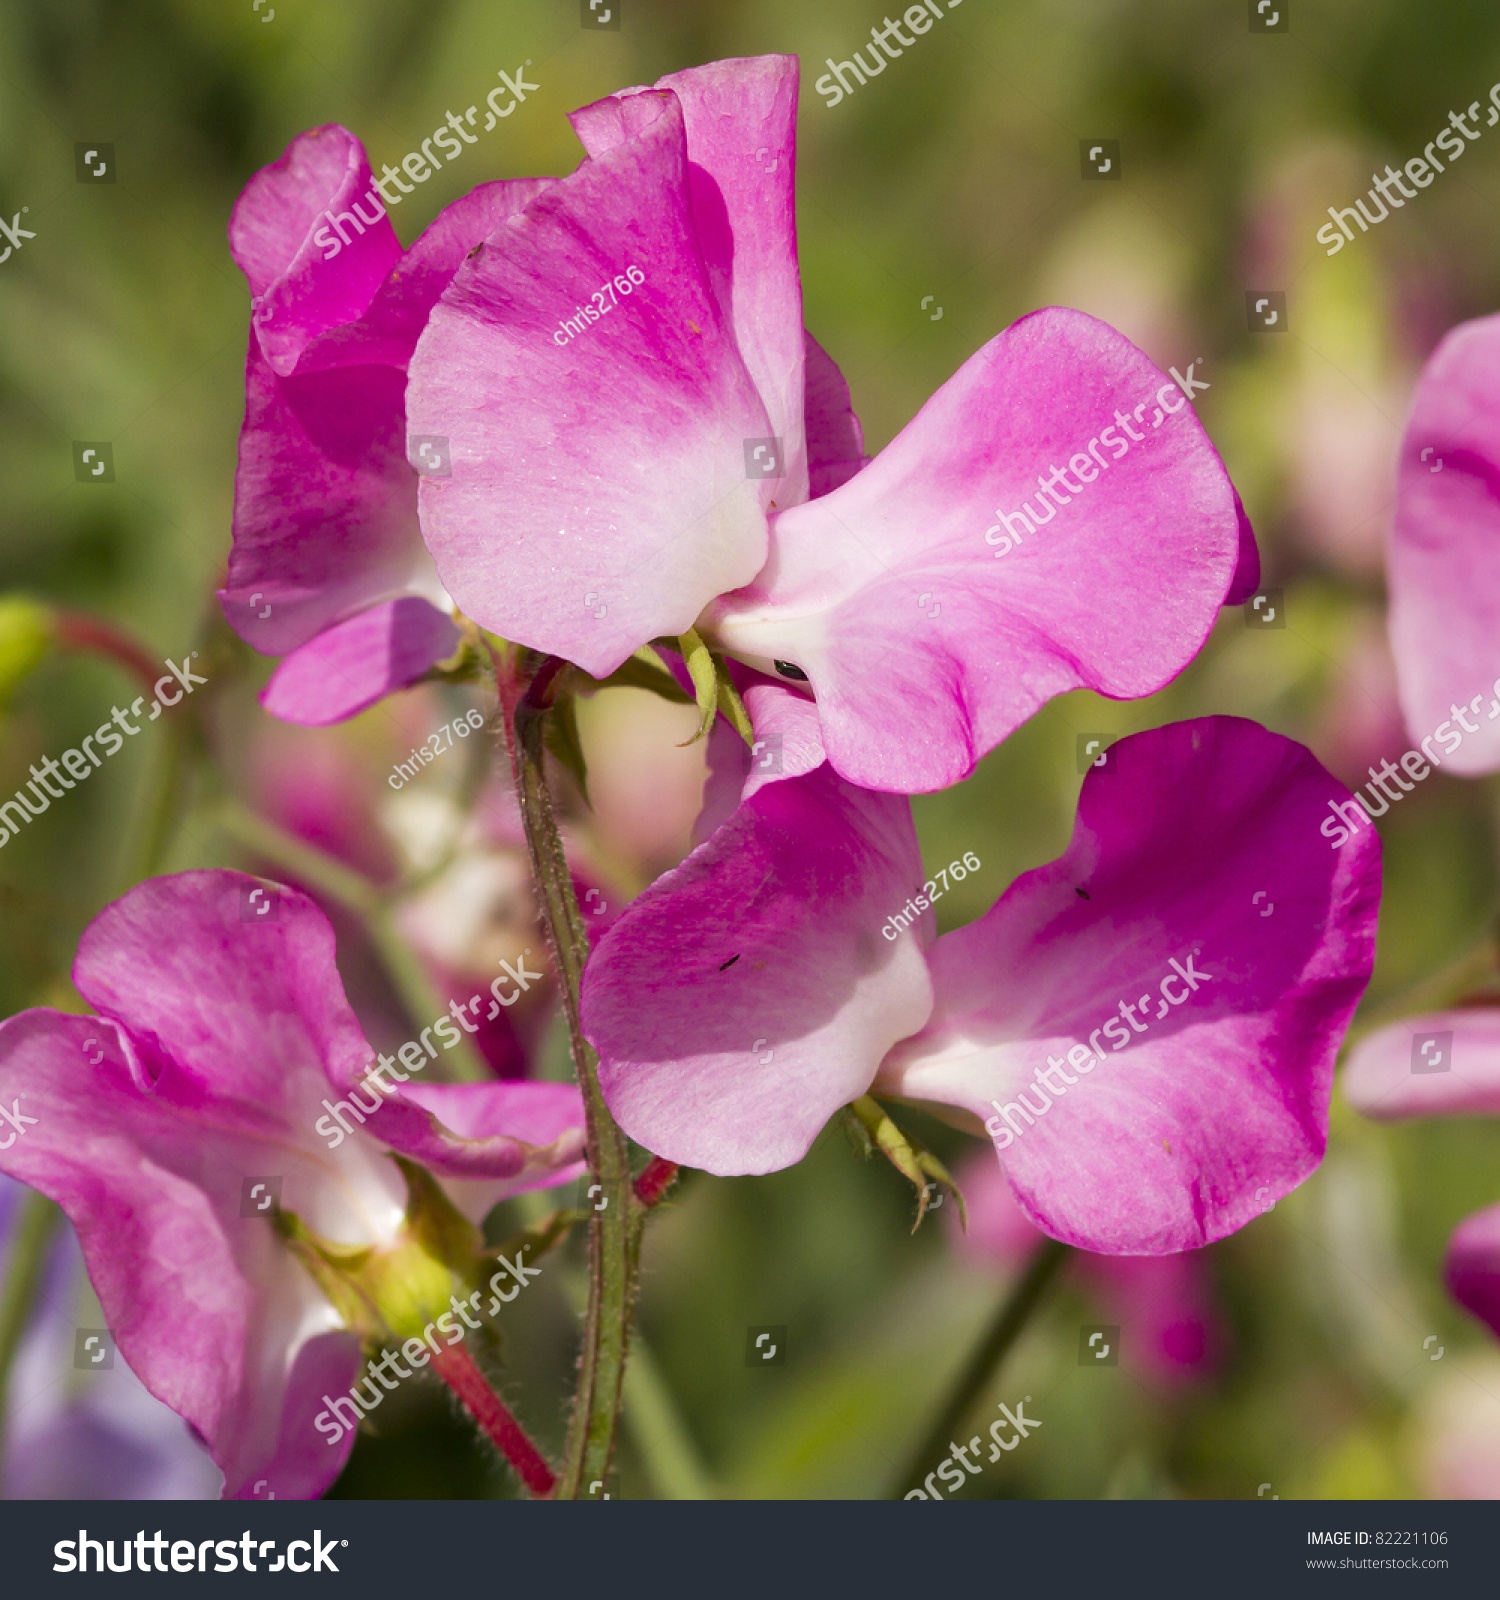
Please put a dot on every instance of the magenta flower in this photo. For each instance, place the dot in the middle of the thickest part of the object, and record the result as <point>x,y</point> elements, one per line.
<point>221,1041</point>
<point>1145,1028</point>
<point>1163,1305</point>
<point>637,421</point>
<point>1444,1064</point>
<point>1444,565</point>
<point>328,563</point>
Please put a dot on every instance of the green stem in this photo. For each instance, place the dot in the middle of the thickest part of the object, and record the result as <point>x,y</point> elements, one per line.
<point>614,1232</point>
<point>357,894</point>
<point>37,1220</point>
<point>1010,1318</point>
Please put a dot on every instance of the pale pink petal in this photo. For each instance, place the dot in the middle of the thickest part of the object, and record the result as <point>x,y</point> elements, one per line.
<point>599,494</point>
<point>1444,565</point>
<point>1446,1063</point>
<point>749,993</point>
<point>888,594</point>
<point>741,123</point>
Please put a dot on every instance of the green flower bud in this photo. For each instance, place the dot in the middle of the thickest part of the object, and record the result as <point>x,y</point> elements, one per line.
<point>27,633</point>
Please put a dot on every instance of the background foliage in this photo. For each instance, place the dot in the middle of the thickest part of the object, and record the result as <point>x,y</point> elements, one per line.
<point>953,175</point>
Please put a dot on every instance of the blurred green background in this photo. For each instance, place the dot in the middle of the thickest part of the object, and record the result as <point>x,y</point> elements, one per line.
<point>954,175</point>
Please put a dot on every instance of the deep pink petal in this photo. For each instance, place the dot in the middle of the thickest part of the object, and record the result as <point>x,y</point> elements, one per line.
<point>887,592</point>
<point>299,290</point>
<point>602,471</point>
<point>325,504</point>
<point>1410,1069</point>
<point>749,993</point>
<point>1472,1270</point>
<point>210,1311</point>
<point>1215,1102</point>
<point>835,440</point>
<point>1444,566</point>
<point>741,122</point>
<point>1247,567</point>
<point>355,663</point>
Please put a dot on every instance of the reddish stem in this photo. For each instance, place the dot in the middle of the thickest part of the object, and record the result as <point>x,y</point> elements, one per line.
<point>457,1368</point>
<point>656,1178</point>
<point>77,630</point>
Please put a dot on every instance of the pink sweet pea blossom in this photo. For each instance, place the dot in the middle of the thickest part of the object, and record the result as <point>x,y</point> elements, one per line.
<point>1444,565</point>
<point>643,441</point>
<point>1149,1051</point>
<point>1163,1305</point>
<point>219,1042</point>
<point>328,563</point>
<point>1444,1064</point>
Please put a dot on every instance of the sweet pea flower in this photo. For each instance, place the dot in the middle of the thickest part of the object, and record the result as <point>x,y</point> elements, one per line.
<point>1170,1332</point>
<point>1443,568</point>
<point>1145,1028</point>
<point>220,1040</point>
<point>328,566</point>
<point>643,441</point>
<point>1443,1064</point>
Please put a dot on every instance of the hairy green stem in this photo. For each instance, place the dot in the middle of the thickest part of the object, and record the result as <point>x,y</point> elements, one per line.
<point>36,1221</point>
<point>615,1231</point>
<point>1010,1318</point>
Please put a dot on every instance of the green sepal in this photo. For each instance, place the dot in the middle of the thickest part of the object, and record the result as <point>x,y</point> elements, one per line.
<point>731,704</point>
<point>705,675</point>
<point>915,1163</point>
<point>396,1292</point>
<point>560,735</point>
<point>646,670</point>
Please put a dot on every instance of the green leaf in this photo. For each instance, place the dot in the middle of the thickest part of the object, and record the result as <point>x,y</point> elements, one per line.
<point>561,737</point>
<point>646,670</point>
<point>705,674</point>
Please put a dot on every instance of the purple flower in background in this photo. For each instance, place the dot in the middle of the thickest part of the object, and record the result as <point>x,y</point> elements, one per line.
<point>1444,565</point>
<point>1148,1050</point>
<point>221,1040</point>
<point>636,422</point>
<point>328,563</point>
<point>1444,1064</point>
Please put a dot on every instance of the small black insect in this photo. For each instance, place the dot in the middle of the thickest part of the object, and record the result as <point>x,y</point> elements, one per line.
<point>1083,892</point>
<point>787,670</point>
<point>731,961</point>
